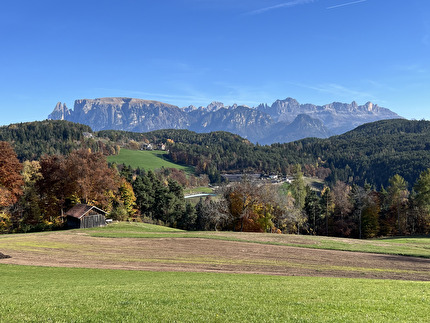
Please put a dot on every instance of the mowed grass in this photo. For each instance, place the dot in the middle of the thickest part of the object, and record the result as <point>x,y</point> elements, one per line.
<point>127,228</point>
<point>406,246</point>
<point>198,190</point>
<point>148,160</point>
<point>43,294</point>
<point>49,294</point>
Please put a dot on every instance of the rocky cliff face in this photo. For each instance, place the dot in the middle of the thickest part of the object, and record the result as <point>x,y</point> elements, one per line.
<point>283,121</point>
<point>303,126</point>
<point>124,114</point>
<point>337,117</point>
<point>244,121</point>
<point>61,112</point>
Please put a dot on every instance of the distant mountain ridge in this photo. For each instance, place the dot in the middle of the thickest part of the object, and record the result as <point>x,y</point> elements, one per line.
<point>284,121</point>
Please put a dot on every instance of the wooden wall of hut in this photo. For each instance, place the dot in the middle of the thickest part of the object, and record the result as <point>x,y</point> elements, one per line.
<point>91,221</point>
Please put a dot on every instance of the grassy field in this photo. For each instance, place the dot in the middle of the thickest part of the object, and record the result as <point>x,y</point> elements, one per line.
<point>129,228</point>
<point>314,183</point>
<point>43,294</point>
<point>198,190</point>
<point>148,160</point>
<point>416,246</point>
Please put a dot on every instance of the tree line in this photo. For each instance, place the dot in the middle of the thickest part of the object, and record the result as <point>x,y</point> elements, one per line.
<point>371,153</point>
<point>341,210</point>
<point>35,194</point>
<point>362,168</point>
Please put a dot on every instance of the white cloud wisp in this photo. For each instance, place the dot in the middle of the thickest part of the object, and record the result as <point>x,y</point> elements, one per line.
<point>289,4</point>
<point>346,4</point>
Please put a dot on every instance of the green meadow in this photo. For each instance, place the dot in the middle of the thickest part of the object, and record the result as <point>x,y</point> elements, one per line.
<point>44,294</point>
<point>52,294</point>
<point>145,159</point>
<point>198,190</point>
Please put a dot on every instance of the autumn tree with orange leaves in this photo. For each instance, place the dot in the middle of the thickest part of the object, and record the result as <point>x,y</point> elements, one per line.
<point>11,180</point>
<point>81,177</point>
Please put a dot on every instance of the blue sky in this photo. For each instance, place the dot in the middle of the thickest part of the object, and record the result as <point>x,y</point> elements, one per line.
<point>187,52</point>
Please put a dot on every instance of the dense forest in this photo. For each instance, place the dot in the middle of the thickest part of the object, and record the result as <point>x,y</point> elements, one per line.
<point>220,152</point>
<point>376,151</point>
<point>31,140</point>
<point>371,153</point>
<point>377,180</point>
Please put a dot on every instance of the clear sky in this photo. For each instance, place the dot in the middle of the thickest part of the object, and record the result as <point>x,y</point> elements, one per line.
<point>187,52</point>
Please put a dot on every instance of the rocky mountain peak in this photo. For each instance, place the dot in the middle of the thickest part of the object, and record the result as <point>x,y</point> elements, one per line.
<point>314,127</point>
<point>61,112</point>
<point>214,106</point>
<point>288,102</point>
<point>262,107</point>
<point>369,106</point>
<point>190,108</point>
<point>283,121</point>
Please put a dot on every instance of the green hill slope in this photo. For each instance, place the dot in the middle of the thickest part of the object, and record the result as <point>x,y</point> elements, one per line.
<point>376,151</point>
<point>148,160</point>
<point>372,152</point>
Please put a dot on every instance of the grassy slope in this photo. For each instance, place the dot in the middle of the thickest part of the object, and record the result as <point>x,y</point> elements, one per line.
<point>198,190</point>
<point>417,246</point>
<point>148,160</point>
<point>95,295</point>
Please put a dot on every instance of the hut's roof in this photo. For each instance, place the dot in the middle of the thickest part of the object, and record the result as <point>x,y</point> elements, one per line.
<point>80,210</point>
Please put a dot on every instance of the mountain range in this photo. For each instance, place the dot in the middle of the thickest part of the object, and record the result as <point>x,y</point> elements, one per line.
<point>283,121</point>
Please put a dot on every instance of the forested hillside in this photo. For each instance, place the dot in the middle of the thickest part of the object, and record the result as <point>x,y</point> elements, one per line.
<point>33,194</point>
<point>217,152</point>
<point>31,140</point>
<point>376,151</point>
<point>371,153</point>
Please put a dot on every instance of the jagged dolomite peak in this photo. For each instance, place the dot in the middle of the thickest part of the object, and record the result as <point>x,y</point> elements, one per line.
<point>61,112</point>
<point>126,114</point>
<point>283,121</point>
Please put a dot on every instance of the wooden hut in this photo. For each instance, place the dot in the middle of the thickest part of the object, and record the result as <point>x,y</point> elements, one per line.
<point>85,216</point>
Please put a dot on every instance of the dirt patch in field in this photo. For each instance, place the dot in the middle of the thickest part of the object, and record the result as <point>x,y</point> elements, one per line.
<point>68,249</point>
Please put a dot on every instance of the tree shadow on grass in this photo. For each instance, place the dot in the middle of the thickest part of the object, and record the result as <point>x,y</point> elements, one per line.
<point>405,237</point>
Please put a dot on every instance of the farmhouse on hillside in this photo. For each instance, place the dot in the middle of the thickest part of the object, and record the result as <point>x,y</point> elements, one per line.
<point>85,216</point>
